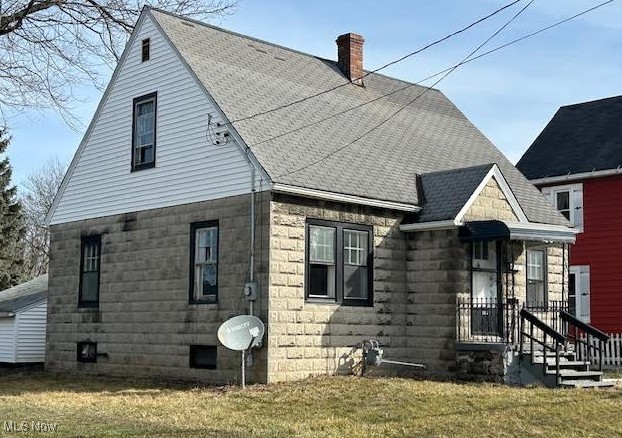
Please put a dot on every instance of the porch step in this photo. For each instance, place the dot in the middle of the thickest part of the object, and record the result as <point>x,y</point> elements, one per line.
<point>567,374</point>
<point>587,384</point>
<point>563,364</point>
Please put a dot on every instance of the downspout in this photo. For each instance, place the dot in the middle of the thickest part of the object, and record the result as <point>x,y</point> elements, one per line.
<point>251,262</point>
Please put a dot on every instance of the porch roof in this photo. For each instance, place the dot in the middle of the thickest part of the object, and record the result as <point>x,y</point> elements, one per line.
<point>495,229</point>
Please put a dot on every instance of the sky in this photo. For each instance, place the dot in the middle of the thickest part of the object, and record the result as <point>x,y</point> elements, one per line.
<point>509,95</point>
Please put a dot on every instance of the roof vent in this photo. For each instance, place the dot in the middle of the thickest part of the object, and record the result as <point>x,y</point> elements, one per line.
<point>350,56</point>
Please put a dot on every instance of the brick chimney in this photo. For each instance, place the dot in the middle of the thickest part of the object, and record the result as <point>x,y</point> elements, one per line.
<point>350,56</point>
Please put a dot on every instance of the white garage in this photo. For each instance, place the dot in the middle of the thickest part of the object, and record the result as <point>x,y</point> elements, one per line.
<point>23,314</point>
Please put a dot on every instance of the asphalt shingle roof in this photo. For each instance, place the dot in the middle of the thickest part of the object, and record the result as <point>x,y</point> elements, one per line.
<point>246,76</point>
<point>446,192</point>
<point>23,295</point>
<point>579,138</point>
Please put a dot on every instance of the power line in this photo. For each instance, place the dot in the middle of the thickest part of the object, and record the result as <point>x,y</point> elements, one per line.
<point>446,37</point>
<point>432,76</point>
<point>416,97</point>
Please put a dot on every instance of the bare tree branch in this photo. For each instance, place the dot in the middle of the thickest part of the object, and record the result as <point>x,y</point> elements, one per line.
<point>48,48</point>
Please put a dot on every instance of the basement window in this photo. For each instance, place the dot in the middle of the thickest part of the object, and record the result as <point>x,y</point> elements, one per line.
<point>203,356</point>
<point>339,263</point>
<point>145,50</point>
<point>87,352</point>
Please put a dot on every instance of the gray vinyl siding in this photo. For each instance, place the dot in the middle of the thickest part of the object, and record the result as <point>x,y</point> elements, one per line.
<point>7,340</point>
<point>30,324</point>
<point>189,167</point>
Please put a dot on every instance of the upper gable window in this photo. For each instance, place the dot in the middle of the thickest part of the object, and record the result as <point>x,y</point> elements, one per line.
<point>568,200</point>
<point>144,132</point>
<point>146,46</point>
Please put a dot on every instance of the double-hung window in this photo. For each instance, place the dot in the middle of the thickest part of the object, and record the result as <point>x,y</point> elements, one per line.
<point>90,255</point>
<point>536,277</point>
<point>568,200</point>
<point>204,262</point>
<point>339,263</point>
<point>144,132</point>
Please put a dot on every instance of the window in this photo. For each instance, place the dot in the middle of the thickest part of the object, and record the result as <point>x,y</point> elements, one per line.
<point>87,352</point>
<point>568,200</point>
<point>339,263</point>
<point>536,277</point>
<point>145,50</point>
<point>144,132</point>
<point>204,262</point>
<point>203,356</point>
<point>89,271</point>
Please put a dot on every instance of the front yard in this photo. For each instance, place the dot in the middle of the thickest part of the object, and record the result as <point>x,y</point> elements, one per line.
<point>338,407</point>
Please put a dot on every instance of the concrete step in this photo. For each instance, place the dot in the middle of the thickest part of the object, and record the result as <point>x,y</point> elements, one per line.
<point>578,375</point>
<point>587,384</point>
<point>564,364</point>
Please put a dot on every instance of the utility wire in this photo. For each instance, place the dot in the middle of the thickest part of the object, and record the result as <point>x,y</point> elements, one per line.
<point>448,69</point>
<point>446,37</point>
<point>415,98</point>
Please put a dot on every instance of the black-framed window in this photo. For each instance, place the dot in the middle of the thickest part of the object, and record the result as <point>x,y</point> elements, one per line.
<point>144,131</point>
<point>204,262</point>
<point>90,263</point>
<point>203,356</point>
<point>145,50</point>
<point>86,352</point>
<point>339,262</point>
<point>536,277</point>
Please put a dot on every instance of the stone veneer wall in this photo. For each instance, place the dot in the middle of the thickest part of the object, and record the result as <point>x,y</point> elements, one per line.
<point>491,204</point>
<point>144,323</point>
<point>307,338</point>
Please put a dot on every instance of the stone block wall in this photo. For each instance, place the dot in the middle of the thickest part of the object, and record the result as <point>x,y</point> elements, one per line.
<point>145,324</point>
<point>309,338</point>
<point>491,204</point>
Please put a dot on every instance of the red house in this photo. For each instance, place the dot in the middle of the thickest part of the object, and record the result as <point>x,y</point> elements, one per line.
<point>577,163</point>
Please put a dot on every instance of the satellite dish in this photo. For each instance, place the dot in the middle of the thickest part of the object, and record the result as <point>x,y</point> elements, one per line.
<point>241,332</point>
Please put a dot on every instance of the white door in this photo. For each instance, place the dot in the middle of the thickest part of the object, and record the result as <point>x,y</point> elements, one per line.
<point>579,292</point>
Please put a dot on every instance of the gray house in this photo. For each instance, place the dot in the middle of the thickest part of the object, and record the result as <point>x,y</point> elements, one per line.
<point>359,205</point>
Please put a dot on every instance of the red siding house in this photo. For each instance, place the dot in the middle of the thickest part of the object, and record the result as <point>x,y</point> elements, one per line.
<point>576,162</point>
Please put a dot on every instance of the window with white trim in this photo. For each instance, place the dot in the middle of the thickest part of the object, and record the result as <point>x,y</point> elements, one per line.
<point>339,263</point>
<point>536,277</point>
<point>144,132</point>
<point>204,262</point>
<point>568,200</point>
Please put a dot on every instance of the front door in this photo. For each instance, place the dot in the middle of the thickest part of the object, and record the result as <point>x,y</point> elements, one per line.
<point>485,291</point>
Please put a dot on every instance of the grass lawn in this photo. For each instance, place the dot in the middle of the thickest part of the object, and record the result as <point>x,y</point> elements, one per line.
<point>333,407</point>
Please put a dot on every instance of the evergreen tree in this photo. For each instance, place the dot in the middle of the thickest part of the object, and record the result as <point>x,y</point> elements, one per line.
<point>11,223</point>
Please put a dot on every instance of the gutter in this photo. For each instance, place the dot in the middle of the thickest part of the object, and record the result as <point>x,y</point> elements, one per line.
<point>7,314</point>
<point>339,197</point>
<point>431,226</point>
<point>576,176</point>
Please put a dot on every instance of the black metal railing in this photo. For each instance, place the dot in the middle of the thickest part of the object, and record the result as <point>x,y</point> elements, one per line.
<point>492,320</point>
<point>535,331</point>
<point>582,336</point>
<point>549,312</point>
<point>487,320</point>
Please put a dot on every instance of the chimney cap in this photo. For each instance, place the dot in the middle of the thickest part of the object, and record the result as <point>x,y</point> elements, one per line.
<point>351,36</point>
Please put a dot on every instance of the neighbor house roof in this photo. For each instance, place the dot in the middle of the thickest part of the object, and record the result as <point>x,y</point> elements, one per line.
<point>374,150</point>
<point>23,295</point>
<point>580,138</point>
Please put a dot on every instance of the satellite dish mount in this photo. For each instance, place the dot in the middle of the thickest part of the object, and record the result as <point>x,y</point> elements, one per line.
<point>241,333</point>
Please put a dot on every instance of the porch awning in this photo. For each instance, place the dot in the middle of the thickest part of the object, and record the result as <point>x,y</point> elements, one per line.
<point>493,230</point>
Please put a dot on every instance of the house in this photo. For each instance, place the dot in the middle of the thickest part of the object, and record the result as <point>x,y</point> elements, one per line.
<point>23,310</point>
<point>217,163</point>
<point>576,162</point>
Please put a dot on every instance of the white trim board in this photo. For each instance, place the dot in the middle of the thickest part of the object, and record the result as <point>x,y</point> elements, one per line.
<point>575,176</point>
<point>505,188</point>
<point>350,199</point>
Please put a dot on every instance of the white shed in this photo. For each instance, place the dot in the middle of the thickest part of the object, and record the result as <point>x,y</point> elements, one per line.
<point>23,315</point>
